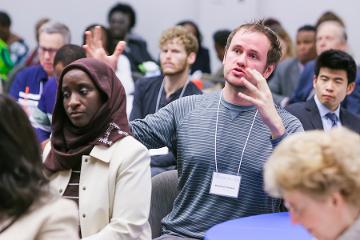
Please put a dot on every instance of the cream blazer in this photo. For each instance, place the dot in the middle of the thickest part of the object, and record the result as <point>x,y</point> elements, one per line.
<point>49,218</point>
<point>114,191</point>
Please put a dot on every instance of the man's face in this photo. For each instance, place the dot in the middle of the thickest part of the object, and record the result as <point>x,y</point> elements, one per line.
<point>305,46</point>
<point>331,87</point>
<point>49,43</point>
<point>247,50</point>
<point>119,25</point>
<point>329,36</point>
<point>174,58</point>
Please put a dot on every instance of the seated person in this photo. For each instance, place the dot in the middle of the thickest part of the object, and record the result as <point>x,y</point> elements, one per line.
<point>29,209</point>
<point>335,73</point>
<point>178,50</point>
<point>6,64</point>
<point>329,35</point>
<point>318,175</point>
<point>92,158</point>
<point>28,84</point>
<point>202,62</point>
<point>17,46</point>
<point>42,115</point>
<point>122,19</point>
<point>123,68</point>
<point>216,80</point>
<point>287,73</point>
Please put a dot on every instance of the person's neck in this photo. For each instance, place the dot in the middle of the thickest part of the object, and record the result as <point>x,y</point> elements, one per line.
<point>231,95</point>
<point>172,83</point>
<point>346,221</point>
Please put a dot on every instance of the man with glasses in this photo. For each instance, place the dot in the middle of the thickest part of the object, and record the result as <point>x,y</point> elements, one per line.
<point>29,82</point>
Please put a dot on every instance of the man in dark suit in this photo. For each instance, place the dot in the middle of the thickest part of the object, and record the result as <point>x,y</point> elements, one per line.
<point>334,79</point>
<point>287,73</point>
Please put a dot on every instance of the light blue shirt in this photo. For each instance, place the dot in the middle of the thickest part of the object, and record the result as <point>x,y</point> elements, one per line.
<point>323,111</point>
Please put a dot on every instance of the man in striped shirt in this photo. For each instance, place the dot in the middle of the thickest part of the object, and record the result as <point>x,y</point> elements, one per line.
<point>221,140</point>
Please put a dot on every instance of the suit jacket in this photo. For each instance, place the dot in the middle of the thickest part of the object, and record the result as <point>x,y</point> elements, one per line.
<point>309,115</point>
<point>48,218</point>
<point>305,87</point>
<point>285,79</point>
<point>305,83</point>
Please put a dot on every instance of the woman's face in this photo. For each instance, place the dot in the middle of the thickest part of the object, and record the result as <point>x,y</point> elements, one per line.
<point>81,98</point>
<point>323,218</point>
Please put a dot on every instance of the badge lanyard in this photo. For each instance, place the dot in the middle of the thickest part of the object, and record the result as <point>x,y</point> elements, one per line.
<point>161,90</point>
<point>227,184</point>
<point>216,130</point>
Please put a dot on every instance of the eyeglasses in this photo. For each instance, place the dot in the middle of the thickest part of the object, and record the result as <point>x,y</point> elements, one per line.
<point>50,51</point>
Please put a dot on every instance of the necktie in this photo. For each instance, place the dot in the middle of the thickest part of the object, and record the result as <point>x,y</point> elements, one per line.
<point>332,117</point>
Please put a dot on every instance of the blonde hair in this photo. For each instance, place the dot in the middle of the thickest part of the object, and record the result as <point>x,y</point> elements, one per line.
<point>284,36</point>
<point>316,163</point>
<point>183,36</point>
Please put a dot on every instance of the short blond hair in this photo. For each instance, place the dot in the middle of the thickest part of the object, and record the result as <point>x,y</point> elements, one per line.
<point>183,36</point>
<point>316,163</point>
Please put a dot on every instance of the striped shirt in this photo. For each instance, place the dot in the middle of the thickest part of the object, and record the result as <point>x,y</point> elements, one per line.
<point>187,127</point>
<point>72,189</point>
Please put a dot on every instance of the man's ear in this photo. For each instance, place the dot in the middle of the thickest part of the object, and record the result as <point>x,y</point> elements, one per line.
<point>191,58</point>
<point>350,88</point>
<point>269,69</point>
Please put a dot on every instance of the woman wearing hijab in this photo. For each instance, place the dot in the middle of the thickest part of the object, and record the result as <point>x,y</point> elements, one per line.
<point>28,209</point>
<point>93,159</point>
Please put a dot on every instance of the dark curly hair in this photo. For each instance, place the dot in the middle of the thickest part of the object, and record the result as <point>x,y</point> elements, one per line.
<point>124,8</point>
<point>22,181</point>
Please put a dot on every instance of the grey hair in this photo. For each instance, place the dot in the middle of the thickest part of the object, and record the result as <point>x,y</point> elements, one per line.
<point>56,27</point>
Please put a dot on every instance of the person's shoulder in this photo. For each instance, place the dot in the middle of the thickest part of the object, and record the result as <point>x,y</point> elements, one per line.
<point>194,89</point>
<point>134,38</point>
<point>119,147</point>
<point>352,116</point>
<point>50,84</point>
<point>310,65</point>
<point>129,148</point>
<point>144,84</point>
<point>198,100</point>
<point>30,70</point>
<point>204,50</point>
<point>289,61</point>
<point>149,80</point>
<point>51,203</point>
<point>291,112</point>
<point>295,106</point>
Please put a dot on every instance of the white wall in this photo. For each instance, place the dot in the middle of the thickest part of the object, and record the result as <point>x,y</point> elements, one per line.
<point>295,13</point>
<point>156,15</point>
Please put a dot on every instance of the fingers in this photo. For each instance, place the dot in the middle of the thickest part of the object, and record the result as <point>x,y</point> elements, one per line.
<point>88,39</point>
<point>119,49</point>
<point>257,78</point>
<point>87,50</point>
<point>97,35</point>
<point>249,85</point>
<point>252,100</point>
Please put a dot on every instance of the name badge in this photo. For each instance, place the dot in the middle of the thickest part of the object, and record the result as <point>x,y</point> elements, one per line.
<point>225,185</point>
